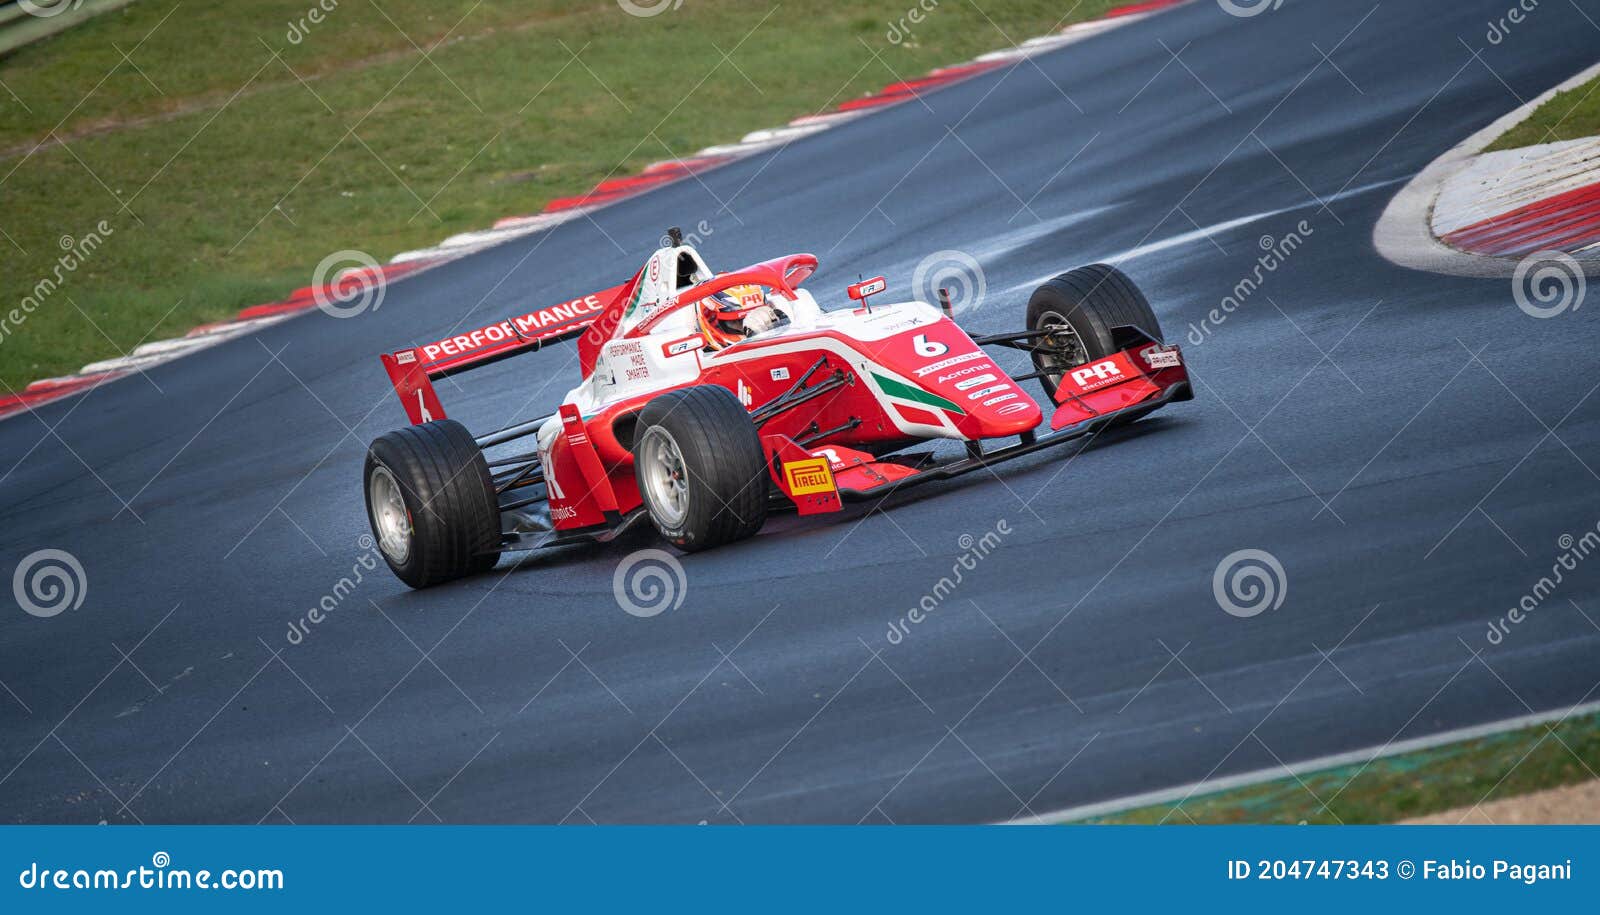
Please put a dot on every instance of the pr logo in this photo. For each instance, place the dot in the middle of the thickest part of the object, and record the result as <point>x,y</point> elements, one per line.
<point>1100,371</point>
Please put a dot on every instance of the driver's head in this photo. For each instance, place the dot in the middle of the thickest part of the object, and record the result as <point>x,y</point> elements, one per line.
<point>720,320</point>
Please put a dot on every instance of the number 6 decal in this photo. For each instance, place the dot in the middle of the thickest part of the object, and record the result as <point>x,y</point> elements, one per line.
<point>926,347</point>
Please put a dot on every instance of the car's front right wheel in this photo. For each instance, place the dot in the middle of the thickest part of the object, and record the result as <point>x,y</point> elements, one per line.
<point>1077,311</point>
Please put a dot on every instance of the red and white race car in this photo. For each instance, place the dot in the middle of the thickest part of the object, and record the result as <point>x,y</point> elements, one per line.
<point>709,398</point>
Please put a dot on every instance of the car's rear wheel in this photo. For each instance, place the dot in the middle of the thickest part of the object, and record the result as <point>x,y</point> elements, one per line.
<point>1079,308</point>
<point>700,468</point>
<point>431,503</point>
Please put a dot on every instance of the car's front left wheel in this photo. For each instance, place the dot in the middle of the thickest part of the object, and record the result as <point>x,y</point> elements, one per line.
<point>700,468</point>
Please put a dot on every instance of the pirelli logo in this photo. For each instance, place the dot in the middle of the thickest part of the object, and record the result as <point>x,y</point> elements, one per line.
<point>809,476</point>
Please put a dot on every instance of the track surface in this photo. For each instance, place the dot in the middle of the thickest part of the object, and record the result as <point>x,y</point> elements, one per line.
<point>1411,491</point>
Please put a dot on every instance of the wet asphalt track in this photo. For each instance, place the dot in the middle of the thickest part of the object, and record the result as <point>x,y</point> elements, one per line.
<point>1410,492</point>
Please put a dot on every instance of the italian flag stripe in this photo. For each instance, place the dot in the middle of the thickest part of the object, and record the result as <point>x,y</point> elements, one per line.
<point>916,395</point>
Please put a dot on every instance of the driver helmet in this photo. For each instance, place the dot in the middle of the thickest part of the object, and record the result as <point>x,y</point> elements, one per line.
<point>721,322</point>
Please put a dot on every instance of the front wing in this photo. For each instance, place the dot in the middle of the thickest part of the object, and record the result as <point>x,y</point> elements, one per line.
<point>1141,377</point>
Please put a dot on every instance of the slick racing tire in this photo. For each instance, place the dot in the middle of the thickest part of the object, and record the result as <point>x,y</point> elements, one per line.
<point>431,503</point>
<point>700,467</point>
<point>1084,305</point>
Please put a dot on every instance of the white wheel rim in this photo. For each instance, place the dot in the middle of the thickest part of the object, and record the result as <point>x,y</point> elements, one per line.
<point>666,479</point>
<point>390,520</point>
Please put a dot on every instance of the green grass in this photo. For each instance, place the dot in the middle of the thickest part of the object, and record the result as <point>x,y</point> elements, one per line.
<point>226,174</point>
<point>1411,785</point>
<point>1570,115</point>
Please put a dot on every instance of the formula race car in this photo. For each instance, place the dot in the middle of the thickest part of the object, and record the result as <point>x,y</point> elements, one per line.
<point>708,399</point>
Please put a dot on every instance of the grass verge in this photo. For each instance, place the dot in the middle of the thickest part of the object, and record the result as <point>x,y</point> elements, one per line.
<point>1456,776</point>
<point>1570,115</point>
<point>234,145</point>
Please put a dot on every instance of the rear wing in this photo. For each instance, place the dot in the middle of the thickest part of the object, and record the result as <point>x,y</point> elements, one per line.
<point>413,370</point>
